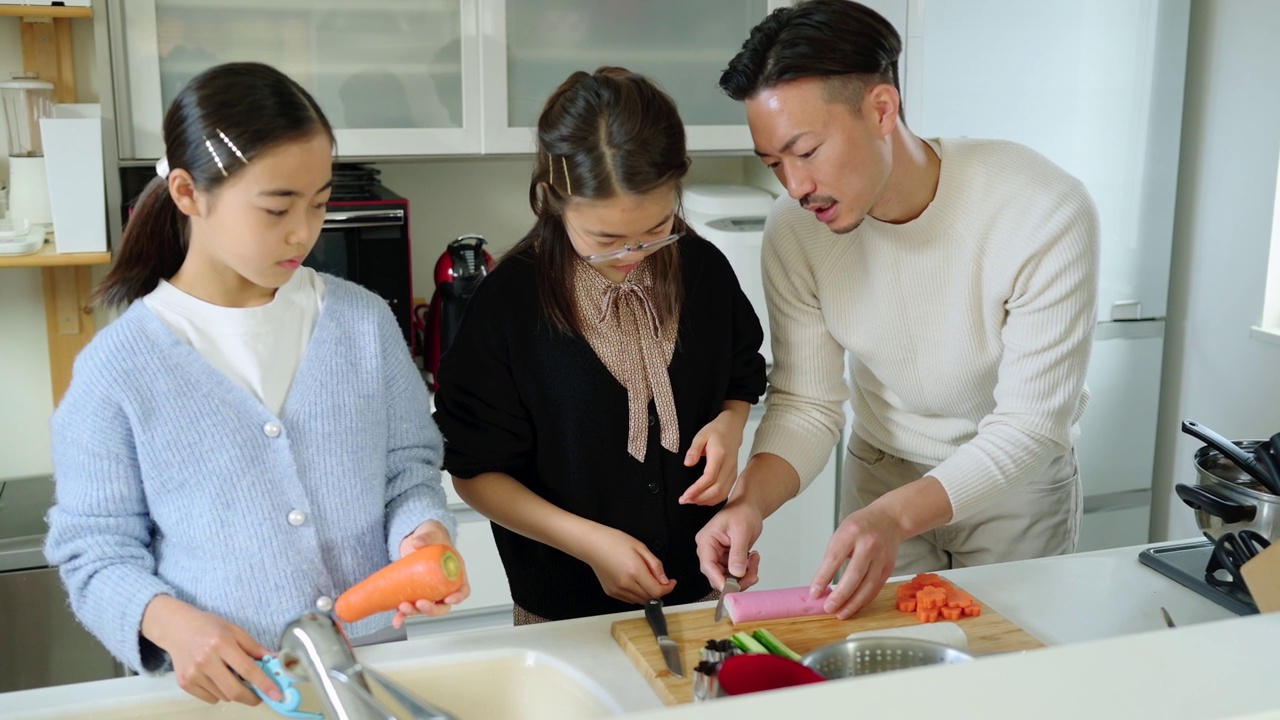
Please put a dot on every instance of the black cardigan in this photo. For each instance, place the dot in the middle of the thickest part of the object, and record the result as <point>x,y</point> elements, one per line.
<point>518,396</point>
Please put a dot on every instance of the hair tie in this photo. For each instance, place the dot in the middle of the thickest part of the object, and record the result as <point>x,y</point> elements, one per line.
<point>162,167</point>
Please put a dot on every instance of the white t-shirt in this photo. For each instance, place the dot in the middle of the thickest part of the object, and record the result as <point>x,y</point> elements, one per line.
<point>258,348</point>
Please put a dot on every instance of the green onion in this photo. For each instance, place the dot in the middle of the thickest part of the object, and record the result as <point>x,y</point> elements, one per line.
<point>748,644</point>
<point>774,645</point>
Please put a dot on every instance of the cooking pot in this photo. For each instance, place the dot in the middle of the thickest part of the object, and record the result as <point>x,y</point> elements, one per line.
<point>1228,499</point>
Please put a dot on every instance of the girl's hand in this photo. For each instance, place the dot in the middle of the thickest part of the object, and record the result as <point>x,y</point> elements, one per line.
<point>625,568</point>
<point>719,440</point>
<point>430,532</point>
<point>210,655</point>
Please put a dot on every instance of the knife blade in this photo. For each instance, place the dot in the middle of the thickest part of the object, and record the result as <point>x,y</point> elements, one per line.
<point>730,585</point>
<point>670,650</point>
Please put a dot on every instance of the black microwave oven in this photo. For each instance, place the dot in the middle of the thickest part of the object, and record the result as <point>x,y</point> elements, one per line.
<point>364,239</point>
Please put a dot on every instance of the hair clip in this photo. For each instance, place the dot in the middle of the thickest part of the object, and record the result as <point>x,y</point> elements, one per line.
<point>216,159</point>
<point>162,167</point>
<point>564,163</point>
<point>232,145</point>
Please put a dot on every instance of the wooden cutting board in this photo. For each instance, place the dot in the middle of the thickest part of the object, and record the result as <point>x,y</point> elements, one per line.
<point>990,632</point>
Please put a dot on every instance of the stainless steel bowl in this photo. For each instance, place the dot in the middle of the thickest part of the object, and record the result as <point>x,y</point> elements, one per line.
<point>866,656</point>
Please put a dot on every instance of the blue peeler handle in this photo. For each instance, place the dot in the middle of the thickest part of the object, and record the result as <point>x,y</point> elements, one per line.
<point>292,696</point>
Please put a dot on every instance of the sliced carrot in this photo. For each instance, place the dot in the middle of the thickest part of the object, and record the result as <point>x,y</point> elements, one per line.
<point>908,590</point>
<point>931,597</point>
<point>933,579</point>
<point>430,573</point>
<point>907,604</point>
<point>950,613</point>
<point>927,616</point>
<point>972,611</point>
<point>959,598</point>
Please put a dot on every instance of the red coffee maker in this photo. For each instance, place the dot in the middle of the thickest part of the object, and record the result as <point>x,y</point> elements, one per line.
<point>458,272</point>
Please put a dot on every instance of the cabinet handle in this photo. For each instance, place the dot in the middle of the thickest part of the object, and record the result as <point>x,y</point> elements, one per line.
<point>362,218</point>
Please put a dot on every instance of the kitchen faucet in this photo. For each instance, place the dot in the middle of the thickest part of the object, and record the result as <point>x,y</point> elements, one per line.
<point>314,648</point>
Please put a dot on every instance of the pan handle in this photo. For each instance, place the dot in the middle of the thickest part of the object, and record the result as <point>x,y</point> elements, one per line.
<point>1229,450</point>
<point>1201,498</point>
<point>1267,459</point>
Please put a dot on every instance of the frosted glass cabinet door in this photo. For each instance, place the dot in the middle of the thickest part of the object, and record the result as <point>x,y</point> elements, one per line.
<point>394,77</point>
<point>530,47</point>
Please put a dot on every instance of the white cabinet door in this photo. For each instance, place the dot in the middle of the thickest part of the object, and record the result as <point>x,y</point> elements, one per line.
<point>529,48</point>
<point>795,537</point>
<point>394,77</point>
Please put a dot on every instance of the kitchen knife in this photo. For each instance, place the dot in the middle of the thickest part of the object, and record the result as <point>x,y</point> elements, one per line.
<point>730,585</point>
<point>670,650</point>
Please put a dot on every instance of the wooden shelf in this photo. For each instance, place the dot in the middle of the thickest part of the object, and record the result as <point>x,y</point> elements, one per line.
<point>48,256</point>
<point>45,11</point>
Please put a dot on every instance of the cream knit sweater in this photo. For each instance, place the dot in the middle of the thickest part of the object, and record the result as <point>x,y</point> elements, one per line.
<point>967,330</point>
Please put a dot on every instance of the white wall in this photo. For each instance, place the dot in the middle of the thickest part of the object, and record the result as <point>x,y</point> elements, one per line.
<point>1214,372</point>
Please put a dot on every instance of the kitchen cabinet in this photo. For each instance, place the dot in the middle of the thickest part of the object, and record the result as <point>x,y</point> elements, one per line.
<point>529,48</point>
<point>394,77</point>
<point>414,78</point>
<point>795,536</point>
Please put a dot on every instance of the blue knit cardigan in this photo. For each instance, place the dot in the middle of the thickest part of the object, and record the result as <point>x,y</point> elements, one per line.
<point>172,479</point>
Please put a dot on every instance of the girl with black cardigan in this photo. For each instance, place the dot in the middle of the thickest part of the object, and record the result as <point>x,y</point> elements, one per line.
<point>594,399</point>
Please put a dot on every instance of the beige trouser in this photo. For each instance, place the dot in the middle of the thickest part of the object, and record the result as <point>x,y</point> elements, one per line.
<point>1038,518</point>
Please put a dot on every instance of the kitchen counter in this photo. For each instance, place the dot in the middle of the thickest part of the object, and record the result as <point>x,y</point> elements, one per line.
<point>1110,656</point>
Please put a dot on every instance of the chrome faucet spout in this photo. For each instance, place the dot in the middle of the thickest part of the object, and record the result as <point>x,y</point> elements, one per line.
<point>315,648</point>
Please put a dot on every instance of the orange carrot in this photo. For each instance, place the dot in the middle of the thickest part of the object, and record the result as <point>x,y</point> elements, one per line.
<point>930,595</point>
<point>430,573</point>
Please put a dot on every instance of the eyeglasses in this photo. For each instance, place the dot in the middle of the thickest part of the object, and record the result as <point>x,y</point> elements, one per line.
<point>628,249</point>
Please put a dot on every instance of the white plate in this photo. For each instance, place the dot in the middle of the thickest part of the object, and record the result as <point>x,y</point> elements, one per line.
<point>26,245</point>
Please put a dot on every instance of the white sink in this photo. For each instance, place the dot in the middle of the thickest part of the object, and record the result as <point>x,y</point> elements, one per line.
<point>491,685</point>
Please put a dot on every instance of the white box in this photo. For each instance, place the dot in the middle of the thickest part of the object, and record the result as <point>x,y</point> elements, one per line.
<point>72,142</point>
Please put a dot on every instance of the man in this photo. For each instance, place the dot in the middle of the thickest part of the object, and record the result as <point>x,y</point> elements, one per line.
<point>958,277</point>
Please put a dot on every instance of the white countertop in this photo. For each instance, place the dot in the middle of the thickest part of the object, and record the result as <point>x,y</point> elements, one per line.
<point>1110,656</point>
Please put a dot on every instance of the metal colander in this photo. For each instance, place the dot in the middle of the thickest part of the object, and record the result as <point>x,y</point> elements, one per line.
<point>865,656</point>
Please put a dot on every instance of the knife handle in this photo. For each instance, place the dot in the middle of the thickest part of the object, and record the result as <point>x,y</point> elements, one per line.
<point>657,621</point>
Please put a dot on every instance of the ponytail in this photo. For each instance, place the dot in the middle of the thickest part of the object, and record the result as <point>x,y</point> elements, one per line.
<point>152,249</point>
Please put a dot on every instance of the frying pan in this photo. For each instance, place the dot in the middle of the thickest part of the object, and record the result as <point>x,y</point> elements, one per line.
<point>1232,452</point>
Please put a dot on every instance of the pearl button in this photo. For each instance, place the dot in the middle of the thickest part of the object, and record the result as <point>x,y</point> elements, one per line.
<point>297,517</point>
<point>271,429</point>
<point>324,603</point>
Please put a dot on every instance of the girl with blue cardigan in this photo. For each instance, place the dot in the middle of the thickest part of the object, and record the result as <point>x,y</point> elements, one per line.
<point>250,438</point>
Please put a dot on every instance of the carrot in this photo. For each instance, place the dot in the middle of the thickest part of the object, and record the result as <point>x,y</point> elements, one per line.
<point>430,573</point>
<point>930,595</point>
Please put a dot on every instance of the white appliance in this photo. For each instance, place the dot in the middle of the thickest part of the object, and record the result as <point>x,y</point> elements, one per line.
<point>732,218</point>
<point>26,100</point>
<point>1096,86</point>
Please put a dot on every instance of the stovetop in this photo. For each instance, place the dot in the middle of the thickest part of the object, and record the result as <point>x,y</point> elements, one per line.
<point>1186,563</point>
